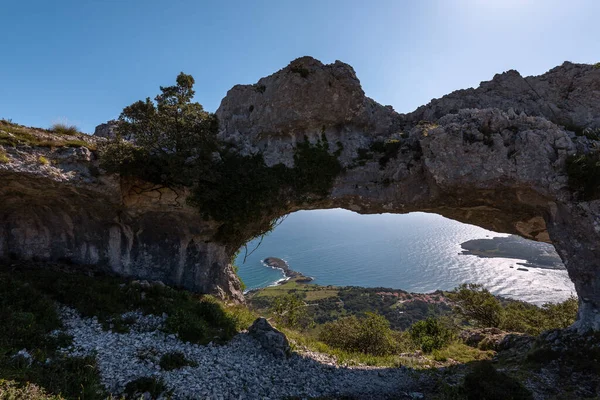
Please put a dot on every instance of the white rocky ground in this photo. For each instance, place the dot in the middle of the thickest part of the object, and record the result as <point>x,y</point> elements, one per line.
<point>241,369</point>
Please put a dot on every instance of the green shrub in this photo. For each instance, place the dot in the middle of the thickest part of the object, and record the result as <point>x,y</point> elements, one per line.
<point>236,270</point>
<point>301,70</point>
<point>10,390</point>
<point>187,326</point>
<point>155,387</point>
<point>584,174</point>
<point>476,304</point>
<point>389,148</point>
<point>479,306</point>
<point>431,334</point>
<point>533,320</point>
<point>485,382</point>
<point>43,160</point>
<point>241,192</point>
<point>175,360</point>
<point>369,335</point>
<point>290,311</point>
<point>4,159</point>
<point>64,129</point>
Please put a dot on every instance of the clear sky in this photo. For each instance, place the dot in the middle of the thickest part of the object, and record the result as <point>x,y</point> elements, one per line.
<point>82,61</point>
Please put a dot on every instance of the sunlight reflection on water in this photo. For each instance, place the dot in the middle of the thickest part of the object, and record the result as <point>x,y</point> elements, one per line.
<point>417,252</point>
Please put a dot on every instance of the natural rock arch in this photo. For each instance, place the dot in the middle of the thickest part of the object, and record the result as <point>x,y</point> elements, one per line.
<point>493,156</point>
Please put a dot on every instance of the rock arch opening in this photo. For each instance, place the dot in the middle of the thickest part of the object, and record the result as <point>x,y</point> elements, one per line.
<point>416,252</point>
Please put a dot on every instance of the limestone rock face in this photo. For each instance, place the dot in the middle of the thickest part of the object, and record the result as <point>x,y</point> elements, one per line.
<point>493,156</point>
<point>304,99</point>
<point>106,130</point>
<point>68,211</point>
<point>567,95</point>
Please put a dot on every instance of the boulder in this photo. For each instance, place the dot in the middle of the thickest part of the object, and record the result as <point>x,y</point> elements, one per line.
<point>271,339</point>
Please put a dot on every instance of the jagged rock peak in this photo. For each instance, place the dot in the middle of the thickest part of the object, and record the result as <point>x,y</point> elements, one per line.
<point>568,95</point>
<point>305,99</point>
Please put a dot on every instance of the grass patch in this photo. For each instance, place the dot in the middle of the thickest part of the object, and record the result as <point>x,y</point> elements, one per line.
<point>4,159</point>
<point>462,353</point>
<point>64,129</point>
<point>11,390</point>
<point>309,341</point>
<point>196,318</point>
<point>27,316</point>
<point>308,291</point>
<point>14,135</point>
<point>175,360</point>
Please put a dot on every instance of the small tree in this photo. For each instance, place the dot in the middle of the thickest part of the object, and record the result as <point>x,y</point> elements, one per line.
<point>430,334</point>
<point>475,303</point>
<point>290,311</point>
<point>174,137</point>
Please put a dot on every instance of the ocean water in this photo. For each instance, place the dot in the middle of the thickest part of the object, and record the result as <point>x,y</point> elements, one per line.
<point>416,252</point>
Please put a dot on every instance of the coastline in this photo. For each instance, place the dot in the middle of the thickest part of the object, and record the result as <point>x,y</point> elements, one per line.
<point>537,255</point>
<point>282,265</point>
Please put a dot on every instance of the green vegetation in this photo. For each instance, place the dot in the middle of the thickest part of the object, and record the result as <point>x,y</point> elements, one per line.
<point>584,174</point>
<point>388,149</point>
<point>476,304</point>
<point>4,159</point>
<point>290,311</point>
<point>328,303</point>
<point>27,316</point>
<point>300,70</point>
<point>369,335</point>
<point>479,307</point>
<point>236,270</point>
<point>431,334</point>
<point>485,382</point>
<point>175,360</point>
<point>195,318</point>
<point>64,129</point>
<point>14,135</point>
<point>597,65</point>
<point>43,160</point>
<point>135,389</point>
<point>461,353</point>
<point>176,145</point>
<point>10,390</point>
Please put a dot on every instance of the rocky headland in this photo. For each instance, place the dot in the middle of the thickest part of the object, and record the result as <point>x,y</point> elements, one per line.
<point>536,255</point>
<point>281,264</point>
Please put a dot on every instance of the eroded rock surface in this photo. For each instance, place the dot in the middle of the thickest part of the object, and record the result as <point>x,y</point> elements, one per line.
<point>493,156</point>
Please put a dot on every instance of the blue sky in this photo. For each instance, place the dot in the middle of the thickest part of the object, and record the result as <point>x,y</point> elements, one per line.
<point>83,61</point>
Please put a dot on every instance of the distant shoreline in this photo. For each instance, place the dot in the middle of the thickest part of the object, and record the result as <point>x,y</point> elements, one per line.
<point>282,265</point>
<point>536,255</point>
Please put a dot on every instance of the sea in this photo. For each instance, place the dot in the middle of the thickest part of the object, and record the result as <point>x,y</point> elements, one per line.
<point>416,252</point>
